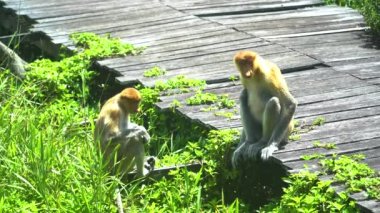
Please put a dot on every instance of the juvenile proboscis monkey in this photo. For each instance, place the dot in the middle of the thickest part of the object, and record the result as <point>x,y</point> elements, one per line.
<point>266,108</point>
<point>121,141</point>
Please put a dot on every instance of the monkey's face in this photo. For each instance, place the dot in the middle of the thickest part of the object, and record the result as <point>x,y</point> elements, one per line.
<point>133,106</point>
<point>244,62</point>
<point>245,68</point>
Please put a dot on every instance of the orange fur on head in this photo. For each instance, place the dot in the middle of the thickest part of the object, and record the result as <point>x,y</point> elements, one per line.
<point>244,61</point>
<point>130,94</point>
<point>245,55</point>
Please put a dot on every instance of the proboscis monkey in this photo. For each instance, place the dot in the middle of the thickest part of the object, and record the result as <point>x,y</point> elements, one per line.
<point>266,107</point>
<point>120,139</point>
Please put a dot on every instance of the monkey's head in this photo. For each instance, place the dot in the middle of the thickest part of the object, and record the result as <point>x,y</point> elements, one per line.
<point>244,61</point>
<point>129,100</point>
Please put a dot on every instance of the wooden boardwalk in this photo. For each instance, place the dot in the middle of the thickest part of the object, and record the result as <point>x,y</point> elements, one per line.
<point>331,64</point>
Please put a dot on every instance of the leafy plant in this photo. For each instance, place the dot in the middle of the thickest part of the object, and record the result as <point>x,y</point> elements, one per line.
<point>225,102</point>
<point>357,176</point>
<point>312,156</point>
<point>179,82</point>
<point>71,77</point>
<point>228,115</point>
<point>306,193</point>
<point>319,121</point>
<point>318,144</point>
<point>175,104</point>
<point>294,137</point>
<point>202,98</point>
<point>95,46</point>
<point>154,72</point>
<point>221,101</point>
<point>233,78</point>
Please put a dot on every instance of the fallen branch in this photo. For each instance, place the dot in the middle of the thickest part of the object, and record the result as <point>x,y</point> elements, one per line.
<point>12,61</point>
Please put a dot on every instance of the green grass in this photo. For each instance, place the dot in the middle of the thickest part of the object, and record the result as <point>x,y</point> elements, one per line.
<point>48,162</point>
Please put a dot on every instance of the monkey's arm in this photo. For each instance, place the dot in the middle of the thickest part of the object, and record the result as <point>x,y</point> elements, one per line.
<point>251,133</point>
<point>288,107</point>
<point>251,128</point>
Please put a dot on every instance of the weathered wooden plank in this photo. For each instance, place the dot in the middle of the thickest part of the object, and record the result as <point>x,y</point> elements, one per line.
<point>184,46</point>
<point>375,81</point>
<point>109,21</point>
<point>323,93</point>
<point>42,3</point>
<point>333,47</point>
<point>220,8</point>
<point>131,12</point>
<point>369,205</point>
<point>305,87</point>
<point>350,137</point>
<point>347,148</point>
<point>362,201</point>
<point>132,27</point>
<point>350,103</point>
<point>213,67</point>
<point>371,159</point>
<point>219,122</point>
<point>201,51</point>
<point>302,94</point>
<point>321,28</point>
<point>69,9</point>
<point>282,23</point>
<point>333,39</point>
<point>189,48</point>
<point>153,42</point>
<point>267,18</point>
<point>367,68</point>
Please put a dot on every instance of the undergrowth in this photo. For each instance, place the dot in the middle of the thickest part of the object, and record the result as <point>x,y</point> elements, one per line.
<point>306,193</point>
<point>49,161</point>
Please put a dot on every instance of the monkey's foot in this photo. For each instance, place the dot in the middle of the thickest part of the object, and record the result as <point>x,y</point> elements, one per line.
<point>238,154</point>
<point>253,150</point>
<point>267,152</point>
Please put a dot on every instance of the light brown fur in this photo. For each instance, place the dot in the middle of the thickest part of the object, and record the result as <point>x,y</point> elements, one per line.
<point>119,138</point>
<point>266,104</point>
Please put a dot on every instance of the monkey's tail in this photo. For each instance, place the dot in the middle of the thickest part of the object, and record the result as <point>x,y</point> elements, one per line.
<point>119,201</point>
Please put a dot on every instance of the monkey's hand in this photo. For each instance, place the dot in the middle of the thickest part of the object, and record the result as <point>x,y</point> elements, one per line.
<point>149,165</point>
<point>137,132</point>
<point>267,152</point>
<point>143,134</point>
